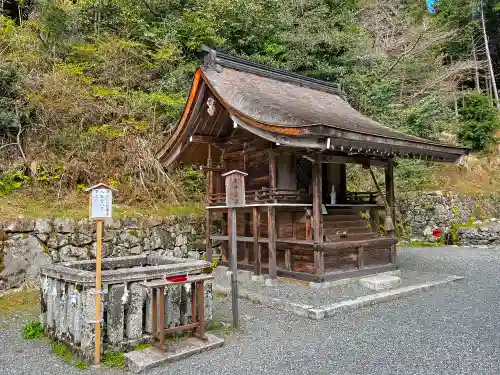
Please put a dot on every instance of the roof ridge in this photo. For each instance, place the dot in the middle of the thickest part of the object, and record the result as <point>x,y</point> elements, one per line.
<point>214,57</point>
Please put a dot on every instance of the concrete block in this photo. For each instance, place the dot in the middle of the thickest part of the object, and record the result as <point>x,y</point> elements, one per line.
<point>258,278</point>
<point>115,315</point>
<point>87,344</point>
<point>380,282</point>
<point>323,285</point>
<point>244,276</point>
<point>142,360</point>
<point>78,320</point>
<point>133,328</point>
<point>148,328</point>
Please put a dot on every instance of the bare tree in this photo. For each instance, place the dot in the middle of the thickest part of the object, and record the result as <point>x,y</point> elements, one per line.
<point>476,70</point>
<point>488,58</point>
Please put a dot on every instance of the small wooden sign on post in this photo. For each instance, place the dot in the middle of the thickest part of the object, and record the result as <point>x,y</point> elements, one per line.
<point>235,197</point>
<point>100,208</point>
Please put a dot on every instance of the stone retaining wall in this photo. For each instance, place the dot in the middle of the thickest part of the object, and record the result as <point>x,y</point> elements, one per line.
<point>421,212</point>
<point>27,244</point>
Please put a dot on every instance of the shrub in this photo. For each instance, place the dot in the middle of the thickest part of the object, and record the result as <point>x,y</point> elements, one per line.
<point>480,122</point>
<point>33,330</point>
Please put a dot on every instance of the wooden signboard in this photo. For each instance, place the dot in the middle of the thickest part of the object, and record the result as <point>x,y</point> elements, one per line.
<point>235,188</point>
<point>100,208</point>
<point>235,197</point>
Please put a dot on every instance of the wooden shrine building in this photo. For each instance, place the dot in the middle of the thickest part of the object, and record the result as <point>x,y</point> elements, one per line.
<point>292,136</point>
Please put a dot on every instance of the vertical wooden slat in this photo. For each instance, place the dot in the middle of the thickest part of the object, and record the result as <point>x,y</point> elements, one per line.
<point>225,244</point>
<point>154,313</point>
<point>317,185</point>
<point>201,298</point>
<point>389,193</point>
<point>294,225</point>
<point>288,259</point>
<point>319,262</point>
<point>230,235</point>
<point>256,244</point>
<point>193,303</point>
<point>246,254</point>
<point>374,221</point>
<point>361,257</point>
<point>272,169</point>
<point>271,234</point>
<point>317,201</point>
<point>161,333</point>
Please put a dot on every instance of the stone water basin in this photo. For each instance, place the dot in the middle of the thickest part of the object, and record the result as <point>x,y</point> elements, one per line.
<point>68,300</point>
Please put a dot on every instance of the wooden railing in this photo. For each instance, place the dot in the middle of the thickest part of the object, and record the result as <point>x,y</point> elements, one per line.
<point>266,195</point>
<point>356,197</point>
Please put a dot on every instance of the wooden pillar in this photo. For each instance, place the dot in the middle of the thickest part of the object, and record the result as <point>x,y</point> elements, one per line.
<point>272,170</point>
<point>343,184</point>
<point>271,234</point>
<point>374,220</point>
<point>256,244</point>
<point>225,244</point>
<point>391,201</point>
<point>247,228</point>
<point>208,223</point>
<point>317,186</point>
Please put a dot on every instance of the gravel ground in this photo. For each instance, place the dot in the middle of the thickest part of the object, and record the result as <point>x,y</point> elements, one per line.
<point>453,329</point>
<point>305,295</point>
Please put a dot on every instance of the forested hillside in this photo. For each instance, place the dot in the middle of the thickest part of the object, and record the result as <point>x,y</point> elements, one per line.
<point>89,89</point>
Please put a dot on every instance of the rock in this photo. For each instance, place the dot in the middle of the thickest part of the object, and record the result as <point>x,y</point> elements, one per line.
<point>64,225</point>
<point>20,226</point>
<point>130,223</point>
<point>108,235</point>
<point>80,239</point>
<point>193,255</point>
<point>24,254</point>
<point>154,222</point>
<point>158,239</point>
<point>56,241</point>
<point>136,250</point>
<point>128,239</point>
<point>181,240</point>
<point>112,224</point>
<point>14,272</point>
<point>177,253</point>
<point>69,252</point>
<point>85,227</point>
<point>43,226</point>
<point>43,237</point>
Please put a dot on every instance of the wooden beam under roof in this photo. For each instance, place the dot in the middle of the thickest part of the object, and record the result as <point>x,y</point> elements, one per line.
<point>206,139</point>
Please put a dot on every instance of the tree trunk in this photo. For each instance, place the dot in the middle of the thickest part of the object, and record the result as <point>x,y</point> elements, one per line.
<point>488,57</point>
<point>476,70</point>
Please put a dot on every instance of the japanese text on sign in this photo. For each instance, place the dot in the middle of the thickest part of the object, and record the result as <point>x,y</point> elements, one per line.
<point>102,201</point>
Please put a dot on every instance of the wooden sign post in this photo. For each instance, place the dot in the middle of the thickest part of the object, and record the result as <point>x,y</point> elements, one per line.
<point>235,197</point>
<point>100,208</point>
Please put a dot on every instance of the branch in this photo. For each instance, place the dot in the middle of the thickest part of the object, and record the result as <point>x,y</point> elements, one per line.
<point>18,138</point>
<point>8,144</point>
<point>404,54</point>
<point>150,9</point>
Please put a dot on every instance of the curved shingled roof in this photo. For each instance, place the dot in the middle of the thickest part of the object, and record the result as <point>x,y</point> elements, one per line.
<point>299,111</point>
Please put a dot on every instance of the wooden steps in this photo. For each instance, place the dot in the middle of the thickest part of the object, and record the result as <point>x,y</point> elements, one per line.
<point>348,221</point>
